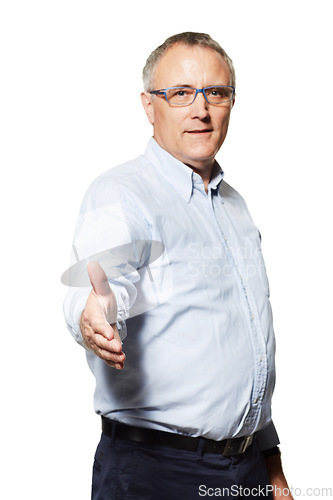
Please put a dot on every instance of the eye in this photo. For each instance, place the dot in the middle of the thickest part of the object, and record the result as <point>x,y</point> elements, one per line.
<point>180,96</point>
<point>178,93</point>
<point>219,94</point>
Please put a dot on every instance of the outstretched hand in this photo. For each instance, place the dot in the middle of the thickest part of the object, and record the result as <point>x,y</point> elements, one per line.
<point>99,319</point>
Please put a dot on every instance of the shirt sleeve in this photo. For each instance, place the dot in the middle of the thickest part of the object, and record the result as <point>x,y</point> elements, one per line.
<point>107,220</point>
<point>268,437</point>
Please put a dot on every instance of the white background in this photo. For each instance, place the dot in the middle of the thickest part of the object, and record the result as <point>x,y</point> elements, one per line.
<point>70,109</point>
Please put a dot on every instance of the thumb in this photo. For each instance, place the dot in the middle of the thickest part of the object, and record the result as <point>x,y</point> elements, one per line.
<point>98,279</point>
<point>101,287</point>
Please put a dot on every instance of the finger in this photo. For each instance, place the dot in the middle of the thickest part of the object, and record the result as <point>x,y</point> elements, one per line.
<point>116,333</point>
<point>117,366</point>
<point>105,349</point>
<point>110,357</point>
<point>113,346</point>
<point>98,279</point>
<point>102,327</point>
<point>99,343</point>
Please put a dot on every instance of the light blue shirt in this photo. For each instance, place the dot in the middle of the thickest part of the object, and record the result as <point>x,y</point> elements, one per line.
<point>196,323</point>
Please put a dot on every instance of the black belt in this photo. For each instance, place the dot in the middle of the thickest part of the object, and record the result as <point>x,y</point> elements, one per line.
<point>227,447</point>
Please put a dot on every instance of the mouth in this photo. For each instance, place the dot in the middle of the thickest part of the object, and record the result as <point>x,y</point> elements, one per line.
<point>200,131</point>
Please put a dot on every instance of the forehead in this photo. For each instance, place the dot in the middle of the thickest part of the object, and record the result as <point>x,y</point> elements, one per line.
<point>191,65</point>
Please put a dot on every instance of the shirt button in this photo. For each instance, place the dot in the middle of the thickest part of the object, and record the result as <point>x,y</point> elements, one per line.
<point>255,401</point>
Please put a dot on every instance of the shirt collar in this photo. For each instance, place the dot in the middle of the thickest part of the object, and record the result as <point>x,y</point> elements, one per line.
<point>179,175</point>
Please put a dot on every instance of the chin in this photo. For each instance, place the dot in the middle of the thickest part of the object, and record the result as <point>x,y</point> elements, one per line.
<point>199,164</point>
<point>203,158</point>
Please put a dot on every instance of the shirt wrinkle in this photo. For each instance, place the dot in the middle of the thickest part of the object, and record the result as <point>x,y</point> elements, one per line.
<point>200,342</point>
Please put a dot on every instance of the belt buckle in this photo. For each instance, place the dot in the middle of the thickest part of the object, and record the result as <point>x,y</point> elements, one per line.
<point>231,447</point>
<point>246,444</point>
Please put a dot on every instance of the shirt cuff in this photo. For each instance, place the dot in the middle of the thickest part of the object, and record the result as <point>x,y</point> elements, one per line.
<point>271,452</point>
<point>268,437</point>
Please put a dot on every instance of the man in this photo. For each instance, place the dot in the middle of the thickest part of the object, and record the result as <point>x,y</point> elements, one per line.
<point>187,414</point>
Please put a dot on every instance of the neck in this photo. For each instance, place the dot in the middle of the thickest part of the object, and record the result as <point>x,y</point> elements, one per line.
<point>206,173</point>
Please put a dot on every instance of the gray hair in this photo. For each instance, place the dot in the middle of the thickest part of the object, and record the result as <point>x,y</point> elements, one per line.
<point>187,38</point>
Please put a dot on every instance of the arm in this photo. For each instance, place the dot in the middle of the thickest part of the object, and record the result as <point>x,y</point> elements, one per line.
<point>107,220</point>
<point>268,440</point>
<point>277,478</point>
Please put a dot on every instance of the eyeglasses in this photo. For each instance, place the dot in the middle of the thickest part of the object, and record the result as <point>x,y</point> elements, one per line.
<point>184,96</point>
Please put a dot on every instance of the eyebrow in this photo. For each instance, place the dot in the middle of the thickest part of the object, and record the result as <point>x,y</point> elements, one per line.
<point>183,85</point>
<point>192,87</point>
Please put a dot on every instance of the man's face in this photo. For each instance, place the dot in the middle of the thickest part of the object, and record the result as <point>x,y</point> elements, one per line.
<point>193,134</point>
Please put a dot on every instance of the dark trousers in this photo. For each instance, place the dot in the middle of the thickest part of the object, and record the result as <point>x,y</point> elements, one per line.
<point>126,470</point>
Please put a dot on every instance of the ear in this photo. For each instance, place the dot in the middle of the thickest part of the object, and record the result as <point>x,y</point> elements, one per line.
<point>148,106</point>
<point>233,101</point>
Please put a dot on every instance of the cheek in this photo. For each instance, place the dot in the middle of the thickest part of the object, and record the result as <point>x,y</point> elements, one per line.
<point>168,124</point>
<point>162,119</point>
<point>224,123</point>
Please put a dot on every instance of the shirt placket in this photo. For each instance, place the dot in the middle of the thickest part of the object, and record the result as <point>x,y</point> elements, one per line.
<point>249,310</point>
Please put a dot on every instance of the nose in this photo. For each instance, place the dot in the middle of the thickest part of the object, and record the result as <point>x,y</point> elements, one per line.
<point>199,108</point>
